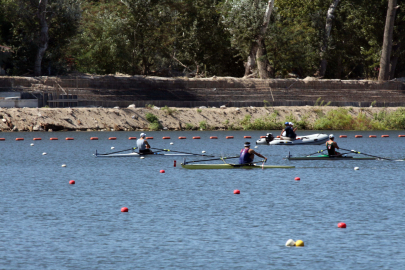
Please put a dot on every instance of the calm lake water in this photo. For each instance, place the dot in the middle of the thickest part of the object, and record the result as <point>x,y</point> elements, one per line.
<point>190,219</point>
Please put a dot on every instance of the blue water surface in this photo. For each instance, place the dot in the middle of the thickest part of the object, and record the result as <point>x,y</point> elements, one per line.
<point>190,219</point>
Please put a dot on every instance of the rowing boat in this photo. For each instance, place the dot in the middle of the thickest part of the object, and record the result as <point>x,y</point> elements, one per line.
<point>232,166</point>
<point>135,154</point>
<point>327,157</point>
<point>312,139</point>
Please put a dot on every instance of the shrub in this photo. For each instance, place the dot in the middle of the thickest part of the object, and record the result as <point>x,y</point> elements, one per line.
<point>168,110</point>
<point>154,121</point>
<point>203,125</point>
<point>189,126</point>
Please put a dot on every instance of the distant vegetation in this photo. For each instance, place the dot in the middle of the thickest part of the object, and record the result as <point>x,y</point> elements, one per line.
<point>200,38</point>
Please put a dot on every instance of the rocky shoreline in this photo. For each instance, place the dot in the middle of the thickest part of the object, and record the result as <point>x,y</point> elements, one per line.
<point>130,119</point>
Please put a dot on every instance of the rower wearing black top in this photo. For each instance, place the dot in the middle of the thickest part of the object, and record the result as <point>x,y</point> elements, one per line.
<point>331,145</point>
<point>288,133</point>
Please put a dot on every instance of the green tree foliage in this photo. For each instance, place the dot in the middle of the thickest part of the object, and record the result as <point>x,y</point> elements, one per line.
<point>21,32</point>
<point>201,37</point>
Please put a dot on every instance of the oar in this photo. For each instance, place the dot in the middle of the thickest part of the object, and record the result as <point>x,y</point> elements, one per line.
<point>320,151</point>
<point>168,150</point>
<point>133,148</point>
<point>211,159</point>
<point>356,152</point>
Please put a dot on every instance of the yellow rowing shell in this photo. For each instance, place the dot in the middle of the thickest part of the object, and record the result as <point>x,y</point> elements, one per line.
<point>232,166</point>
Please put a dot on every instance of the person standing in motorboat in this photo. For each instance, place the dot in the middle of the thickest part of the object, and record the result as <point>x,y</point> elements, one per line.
<point>288,133</point>
<point>143,145</point>
<point>247,155</point>
<point>331,146</point>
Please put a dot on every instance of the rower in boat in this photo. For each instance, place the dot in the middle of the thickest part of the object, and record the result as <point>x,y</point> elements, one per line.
<point>143,145</point>
<point>331,146</point>
<point>288,133</point>
<point>247,155</point>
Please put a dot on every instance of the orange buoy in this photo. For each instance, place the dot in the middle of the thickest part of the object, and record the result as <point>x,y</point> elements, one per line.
<point>236,191</point>
<point>112,138</point>
<point>213,137</point>
<point>358,136</point>
<point>182,138</point>
<point>72,182</point>
<point>19,139</point>
<point>162,171</point>
<point>400,136</point>
<point>124,209</point>
<point>196,138</point>
<point>261,137</point>
<point>53,139</point>
<point>93,138</point>
<point>385,136</point>
<point>343,136</point>
<point>297,179</point>
<point>132,138</point>
<point>229,137</point>
<point>36,139</point>
<point>2,139</point>
<point>247,137</point>
<point>69,139</point>
<point>278,136</point>
<point>341,225</point>
<point>149,138</point>
<point>372,136</point>
<point>166,138</point>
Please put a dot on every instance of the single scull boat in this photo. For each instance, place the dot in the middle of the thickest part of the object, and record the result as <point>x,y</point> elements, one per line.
<point>232,166</point>
<point>136,154</point>
<point>327,157</point>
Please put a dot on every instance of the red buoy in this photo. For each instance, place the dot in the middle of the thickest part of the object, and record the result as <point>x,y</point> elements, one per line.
<point>174,164</point>
<point>72,182</point>
<point>162,171</point>
<point>236,191</point>
<point>124,209</point>
<point>341,225</point>
<point>297,179</point>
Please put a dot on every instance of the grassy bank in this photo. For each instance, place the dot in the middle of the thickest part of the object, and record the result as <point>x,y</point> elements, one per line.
<point>337,119</point>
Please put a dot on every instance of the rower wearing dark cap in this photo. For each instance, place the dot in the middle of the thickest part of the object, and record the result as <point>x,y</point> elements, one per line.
<point>247,155</point>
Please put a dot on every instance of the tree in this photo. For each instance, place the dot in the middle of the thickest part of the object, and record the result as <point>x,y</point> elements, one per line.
<point>387,44</point>
<point>328,28</point>
<point>247,23</point>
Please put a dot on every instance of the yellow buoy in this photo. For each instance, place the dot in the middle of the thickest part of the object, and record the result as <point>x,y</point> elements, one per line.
<point>299,243</point>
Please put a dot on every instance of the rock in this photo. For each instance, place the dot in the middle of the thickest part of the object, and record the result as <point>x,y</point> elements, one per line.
<point>309,79</point>
<point>4,120</point>
<point>37,128</point>
<point>222,107</point>
<point>50,130</point>
<point>203,107</point>
<point>156,108</point>
<point>116,107</point>
<point>237,109</point>
<point>134,117</point>
<point>131,106</point>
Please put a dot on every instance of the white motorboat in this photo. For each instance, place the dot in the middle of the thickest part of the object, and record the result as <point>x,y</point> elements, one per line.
<point>312,139</point>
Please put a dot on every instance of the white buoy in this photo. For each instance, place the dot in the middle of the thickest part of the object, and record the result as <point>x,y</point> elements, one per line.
<point>44,153</point>
<point>32,144</point>
<point>171,143</point>
<point>256,146</point>
<point>203,151</point>
<point>356,168</point>
<point>63,165</point>
<point>112,147</point>
<point>290,243</point>
<point>142,157</point>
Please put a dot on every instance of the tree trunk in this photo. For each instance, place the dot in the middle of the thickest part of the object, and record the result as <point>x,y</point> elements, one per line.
<point>43,38</point>
<point>328,27</point>
<point>258,48</point>
<point>387,44</point>
<point>394,60</point>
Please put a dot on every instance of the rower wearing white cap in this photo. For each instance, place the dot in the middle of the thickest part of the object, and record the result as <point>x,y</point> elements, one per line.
<point>247,155</point>
<point>143,145</point>
<point>288,133</point>
<point>331,145</point>
<point>293,128</point>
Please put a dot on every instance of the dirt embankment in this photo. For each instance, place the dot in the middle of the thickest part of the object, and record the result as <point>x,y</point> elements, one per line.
<point>126,119</point>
